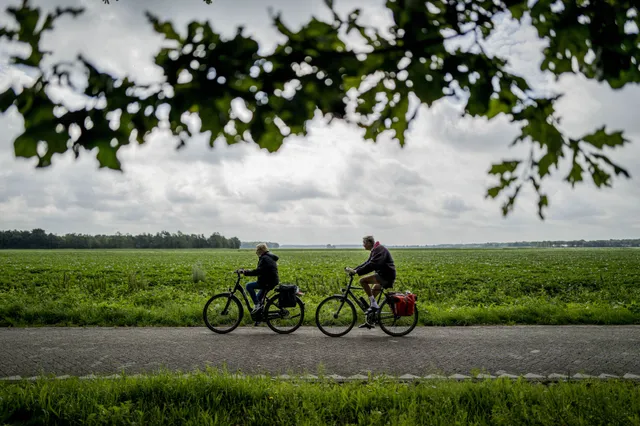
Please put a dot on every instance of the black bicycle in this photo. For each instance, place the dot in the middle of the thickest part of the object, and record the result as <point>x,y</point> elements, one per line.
<point>223,312</point>
<point>336,315</point>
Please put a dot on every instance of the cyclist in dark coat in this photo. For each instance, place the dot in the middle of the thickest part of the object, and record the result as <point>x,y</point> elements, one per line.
<point>267,273</point>
<point>380,261</point>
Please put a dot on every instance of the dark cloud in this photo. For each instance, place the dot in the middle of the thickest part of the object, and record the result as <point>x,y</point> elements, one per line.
<point>174,195</point>
<point>133,213</point>
<point>294,191</point>
<point>455,204</point>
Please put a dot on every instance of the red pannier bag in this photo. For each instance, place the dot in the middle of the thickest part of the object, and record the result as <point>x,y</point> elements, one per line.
<point>402,304</point>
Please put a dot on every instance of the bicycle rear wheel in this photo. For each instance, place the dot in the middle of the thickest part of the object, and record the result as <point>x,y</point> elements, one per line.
<point>336,316</point>
<point>284,320</point>
<point>395,325</point>
<point>222,313</point>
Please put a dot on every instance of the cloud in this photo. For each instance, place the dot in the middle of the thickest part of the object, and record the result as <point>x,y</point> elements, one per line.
<point>328,187</point>
<point>454,204</point>
<point>293,191</point>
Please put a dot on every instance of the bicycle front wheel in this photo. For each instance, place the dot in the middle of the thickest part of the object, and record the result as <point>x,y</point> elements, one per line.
<point>284,320</point>
<point>222,313</point>
<point>336,316</point>
<point>394,325</point>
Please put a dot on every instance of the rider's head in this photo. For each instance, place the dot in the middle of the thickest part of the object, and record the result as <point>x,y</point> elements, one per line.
<point>261,249</point>
<point>368,242</point>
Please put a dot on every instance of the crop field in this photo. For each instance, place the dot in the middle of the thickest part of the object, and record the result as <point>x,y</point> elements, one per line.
<point>455,287</point>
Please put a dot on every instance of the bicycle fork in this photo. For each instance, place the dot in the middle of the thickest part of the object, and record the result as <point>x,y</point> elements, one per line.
<point>225,311</point>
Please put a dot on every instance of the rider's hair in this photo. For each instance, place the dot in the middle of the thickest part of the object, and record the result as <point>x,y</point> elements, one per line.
<point>262,247</point>
<point>369,238</point>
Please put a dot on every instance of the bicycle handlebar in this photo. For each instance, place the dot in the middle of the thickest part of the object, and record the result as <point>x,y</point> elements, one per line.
<point>345,270</point>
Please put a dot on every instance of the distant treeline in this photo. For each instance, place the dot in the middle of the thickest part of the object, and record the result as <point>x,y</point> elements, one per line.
<point>253,244</point>
<point>538,244</point>
<point>580,243</point>
<point>39,239</point>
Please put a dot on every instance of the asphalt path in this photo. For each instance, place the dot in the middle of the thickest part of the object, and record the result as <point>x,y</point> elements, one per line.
<point>545,351</point>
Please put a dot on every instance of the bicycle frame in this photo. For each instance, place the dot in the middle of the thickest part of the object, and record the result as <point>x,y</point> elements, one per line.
<point>238,287</point>
<point>242,292</point>
<point>347,292</point>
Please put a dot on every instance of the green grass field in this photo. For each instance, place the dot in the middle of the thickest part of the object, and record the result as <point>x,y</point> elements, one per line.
<point>210,398</point>
<point>455,287</point>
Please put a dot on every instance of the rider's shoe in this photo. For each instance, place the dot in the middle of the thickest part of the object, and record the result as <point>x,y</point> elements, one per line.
<point>371,309</point>
<point>367,325</point>
<point>256,308</point>
<point>257,323</point>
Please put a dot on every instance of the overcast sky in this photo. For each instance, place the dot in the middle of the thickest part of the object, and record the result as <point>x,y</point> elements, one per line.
<point>329,187</point>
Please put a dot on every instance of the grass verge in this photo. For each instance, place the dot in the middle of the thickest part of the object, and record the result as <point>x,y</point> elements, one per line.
<point>533,311</point>
<point>215,397</point>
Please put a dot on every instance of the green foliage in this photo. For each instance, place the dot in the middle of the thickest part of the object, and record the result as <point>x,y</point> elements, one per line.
<point>136,282</point>
<point>455,287</point>
<point>312,71</point>
<point>219,397</point>
<point>198,274</point>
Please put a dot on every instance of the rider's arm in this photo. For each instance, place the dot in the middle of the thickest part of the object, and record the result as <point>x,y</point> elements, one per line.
<point>255,272</point>
<point>252,272</point>
<point>375,259</point>
<point>362,265</point>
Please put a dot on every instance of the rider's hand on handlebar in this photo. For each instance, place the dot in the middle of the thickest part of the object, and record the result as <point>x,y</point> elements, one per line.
<point>350,271</point>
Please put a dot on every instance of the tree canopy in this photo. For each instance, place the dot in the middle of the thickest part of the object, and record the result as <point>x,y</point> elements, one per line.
<point>315,72</point>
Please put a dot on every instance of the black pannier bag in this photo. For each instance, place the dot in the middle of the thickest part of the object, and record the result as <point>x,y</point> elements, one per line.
<point>287,295</point>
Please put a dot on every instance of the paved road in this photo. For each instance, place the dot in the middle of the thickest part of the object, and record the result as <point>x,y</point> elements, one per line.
<point>516,350</point>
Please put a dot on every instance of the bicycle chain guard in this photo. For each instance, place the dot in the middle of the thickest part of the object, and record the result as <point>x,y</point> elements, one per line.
<point>257,315</point>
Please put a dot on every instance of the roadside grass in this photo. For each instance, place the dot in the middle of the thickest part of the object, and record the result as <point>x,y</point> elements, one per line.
<point>217,397</point>
<point>14,313</point>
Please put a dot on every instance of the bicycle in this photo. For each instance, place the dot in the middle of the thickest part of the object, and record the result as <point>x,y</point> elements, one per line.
<point>226,308</point>
<point>329,310</point>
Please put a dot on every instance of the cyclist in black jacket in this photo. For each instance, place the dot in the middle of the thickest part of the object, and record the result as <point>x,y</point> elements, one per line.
<point>380,261</point>
<point>267,273</point>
